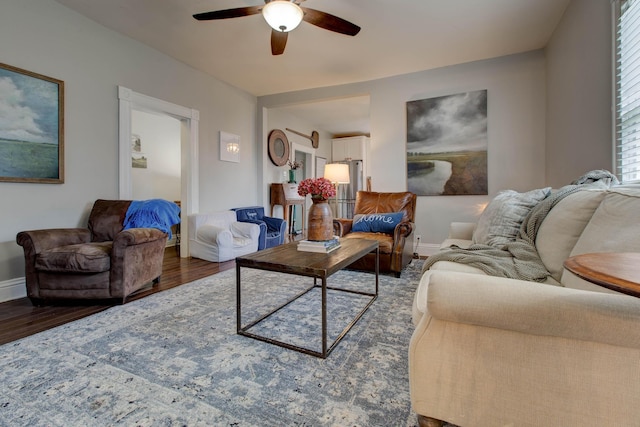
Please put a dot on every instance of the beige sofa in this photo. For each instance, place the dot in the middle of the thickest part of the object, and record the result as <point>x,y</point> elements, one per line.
<point>496,351</point>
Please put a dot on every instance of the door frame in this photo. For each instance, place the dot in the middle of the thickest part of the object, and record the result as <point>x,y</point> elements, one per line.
<point>189,118</point>
<point>310,169</point>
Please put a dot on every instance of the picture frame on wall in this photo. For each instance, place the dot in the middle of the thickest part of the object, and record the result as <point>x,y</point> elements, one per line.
<point>229,147</point>
<point>447,145</point>
<point>32,127</point>
<point>138,158</point>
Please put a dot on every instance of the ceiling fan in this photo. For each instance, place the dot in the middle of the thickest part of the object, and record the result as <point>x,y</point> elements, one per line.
<point>283,16</point>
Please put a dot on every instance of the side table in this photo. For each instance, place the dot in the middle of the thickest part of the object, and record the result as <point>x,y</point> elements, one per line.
<point>618,271</point>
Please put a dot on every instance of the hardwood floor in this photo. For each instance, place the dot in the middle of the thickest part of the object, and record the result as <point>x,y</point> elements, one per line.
<point>19,318</point>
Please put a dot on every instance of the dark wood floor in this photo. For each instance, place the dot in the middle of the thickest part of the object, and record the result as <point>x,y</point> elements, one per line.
<point>19,318</point>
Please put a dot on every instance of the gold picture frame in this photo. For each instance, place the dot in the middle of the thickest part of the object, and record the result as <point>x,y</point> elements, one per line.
<point>32,139</point>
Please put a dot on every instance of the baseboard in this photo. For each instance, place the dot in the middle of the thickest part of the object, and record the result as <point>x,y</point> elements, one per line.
<point>13,289</point>
<point>426,249</point>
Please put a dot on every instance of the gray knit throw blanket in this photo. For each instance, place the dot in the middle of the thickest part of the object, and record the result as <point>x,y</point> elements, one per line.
<point>519,259</point>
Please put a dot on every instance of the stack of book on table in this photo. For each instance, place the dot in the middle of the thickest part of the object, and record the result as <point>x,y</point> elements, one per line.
<point>322,246</point>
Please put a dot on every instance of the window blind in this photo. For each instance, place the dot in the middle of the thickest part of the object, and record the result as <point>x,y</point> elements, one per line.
<point>628,90</point>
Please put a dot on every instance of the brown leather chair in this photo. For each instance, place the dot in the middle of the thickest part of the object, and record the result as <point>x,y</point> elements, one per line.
<point>396,247</point>
<point>102,261</point>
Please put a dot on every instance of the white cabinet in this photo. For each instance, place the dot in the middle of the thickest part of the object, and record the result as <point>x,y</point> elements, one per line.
<point>351,148</point>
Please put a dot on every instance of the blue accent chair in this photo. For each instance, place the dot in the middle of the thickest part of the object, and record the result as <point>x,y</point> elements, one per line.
<point>272,230</point>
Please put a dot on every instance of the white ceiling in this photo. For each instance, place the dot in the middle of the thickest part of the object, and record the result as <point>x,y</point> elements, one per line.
<point>397,37</point>
<point>339,117</point>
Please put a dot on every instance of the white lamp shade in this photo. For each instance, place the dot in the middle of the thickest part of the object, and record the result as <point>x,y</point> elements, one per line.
<point>282,15</point>
<point>337,173</point>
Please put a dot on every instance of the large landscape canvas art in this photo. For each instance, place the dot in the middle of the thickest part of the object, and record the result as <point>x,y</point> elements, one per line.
<point>31,127</point>
<point>447,145</point>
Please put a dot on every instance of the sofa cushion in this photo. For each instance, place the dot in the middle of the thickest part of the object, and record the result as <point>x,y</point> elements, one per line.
<point>385,241</point>
<point>106,219</point>
<point>368,202</point>
<point>252,213</point>
<point>81,258</point>
<point>614,226</point>
<point>562,227</point>
<point>456,266</point>
<point>376,223</point>
<point>501,219</point>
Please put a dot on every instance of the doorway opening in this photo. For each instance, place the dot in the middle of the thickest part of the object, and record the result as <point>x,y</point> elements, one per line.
<point>129,102</point>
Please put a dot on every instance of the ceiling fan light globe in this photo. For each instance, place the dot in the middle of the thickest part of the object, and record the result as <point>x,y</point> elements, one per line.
<point>282,15</point>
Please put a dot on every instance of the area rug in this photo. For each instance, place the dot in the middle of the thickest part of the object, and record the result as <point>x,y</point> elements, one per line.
<point>174,359</point>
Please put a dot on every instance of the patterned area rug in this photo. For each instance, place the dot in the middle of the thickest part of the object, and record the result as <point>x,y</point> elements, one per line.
<point>174,359</point>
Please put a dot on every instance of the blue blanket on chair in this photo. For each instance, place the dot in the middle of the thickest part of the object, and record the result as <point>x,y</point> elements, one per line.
<point>153,213</point>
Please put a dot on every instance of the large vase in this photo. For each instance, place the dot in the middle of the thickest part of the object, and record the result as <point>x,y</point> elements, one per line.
<point>292,176</point>
<point>320,224</point>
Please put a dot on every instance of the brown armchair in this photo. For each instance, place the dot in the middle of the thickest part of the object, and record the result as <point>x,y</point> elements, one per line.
<point>102,261</point>
<point>396,247</point>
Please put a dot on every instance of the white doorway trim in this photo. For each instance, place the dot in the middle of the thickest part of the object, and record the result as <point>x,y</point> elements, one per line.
<point>189,119</point>
<point>310,172</point>
<point>310,154</point>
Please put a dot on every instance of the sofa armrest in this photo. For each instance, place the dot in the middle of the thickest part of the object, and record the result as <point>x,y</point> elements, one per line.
<point>38,240</point>
<point>402,230</point>
<point>35,241</point>
<point>245,229</point>
<point>137,236</point>
<point>212,235</point>
<point>342,226</point>
<point>262,236</point>
<point>461,230</point>
<point>533,308</point>
<point>275,224</point>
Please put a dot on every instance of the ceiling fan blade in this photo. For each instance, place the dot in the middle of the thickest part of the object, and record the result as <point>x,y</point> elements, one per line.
<point>228,13</point>
<point>278,42</point>
<point>329,22</point>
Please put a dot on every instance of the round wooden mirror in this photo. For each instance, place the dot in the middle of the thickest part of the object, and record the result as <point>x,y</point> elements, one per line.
<point>278,147</point>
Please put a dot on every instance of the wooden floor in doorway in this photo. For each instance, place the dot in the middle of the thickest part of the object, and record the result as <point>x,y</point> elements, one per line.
<point>19,318</point>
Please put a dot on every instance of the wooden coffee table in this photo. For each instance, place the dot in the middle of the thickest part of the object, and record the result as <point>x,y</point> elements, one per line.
<point>618,271</point>
<point>288,259</point>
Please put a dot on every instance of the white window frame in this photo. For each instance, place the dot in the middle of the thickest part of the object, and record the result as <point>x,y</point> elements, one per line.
<point>627,90</point>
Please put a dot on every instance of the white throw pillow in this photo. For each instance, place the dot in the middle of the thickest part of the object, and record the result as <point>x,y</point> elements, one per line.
<point>501,219</point>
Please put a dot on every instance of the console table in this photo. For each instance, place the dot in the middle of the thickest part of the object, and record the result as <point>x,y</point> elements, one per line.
<point>286,195</point>
<point>618,271</point>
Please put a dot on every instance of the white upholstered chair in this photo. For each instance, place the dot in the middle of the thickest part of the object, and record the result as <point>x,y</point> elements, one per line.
<point>219,236</point>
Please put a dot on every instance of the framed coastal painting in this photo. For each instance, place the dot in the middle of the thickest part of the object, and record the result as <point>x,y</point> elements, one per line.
<point>31,127</point>
<point>447,145</point>
<point>138,158</point>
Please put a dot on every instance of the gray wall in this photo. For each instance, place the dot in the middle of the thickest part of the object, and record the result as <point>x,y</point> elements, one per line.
<point>579,99</point>
<point>44,37</point>
<point>516,110</point>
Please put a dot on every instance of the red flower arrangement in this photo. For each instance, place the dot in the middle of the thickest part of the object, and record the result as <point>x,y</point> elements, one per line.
<point>319,188</point>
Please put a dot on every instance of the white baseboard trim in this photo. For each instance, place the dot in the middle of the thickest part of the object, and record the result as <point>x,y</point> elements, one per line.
<point>426,249</point>
<point>13,289</point>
